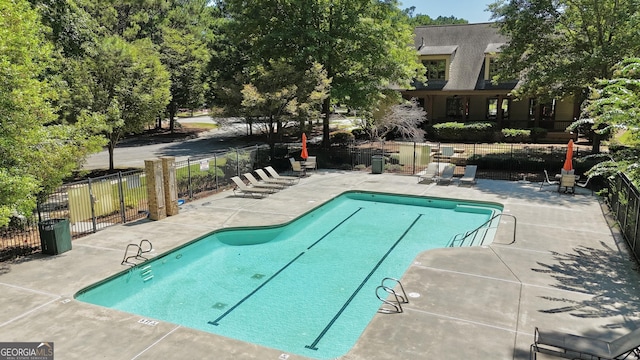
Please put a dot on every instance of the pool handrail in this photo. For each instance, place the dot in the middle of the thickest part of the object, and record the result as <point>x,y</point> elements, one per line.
<point>476,231</point>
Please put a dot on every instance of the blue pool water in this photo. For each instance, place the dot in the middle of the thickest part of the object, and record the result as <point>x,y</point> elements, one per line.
<point>306,287</point>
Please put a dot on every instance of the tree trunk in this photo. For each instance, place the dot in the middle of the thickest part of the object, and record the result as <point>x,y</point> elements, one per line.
<point>111,147</point>
<point>326,109</point>
<point>172,109</point>
<point>595,145</point>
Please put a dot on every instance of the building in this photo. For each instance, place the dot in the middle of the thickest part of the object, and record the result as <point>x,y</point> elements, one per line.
<point>460,64</point>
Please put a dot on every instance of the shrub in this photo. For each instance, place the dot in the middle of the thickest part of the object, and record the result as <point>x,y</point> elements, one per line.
<point>470,132</point>
<point>341,137</point>
<point>360,134</point>
<point>237,162</point>
<point>538,133</point>
<point>516,135</point>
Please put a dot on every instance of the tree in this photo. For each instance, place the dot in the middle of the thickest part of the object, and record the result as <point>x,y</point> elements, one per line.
<point>400,117</point>
<point>279,93</point>
<point>559,48</point>
<point>185,57</point>
<point>615,104</point>
<point>129,87</point>
<point>36,152</point>
<point>425,20</point>
<point>364,45</point>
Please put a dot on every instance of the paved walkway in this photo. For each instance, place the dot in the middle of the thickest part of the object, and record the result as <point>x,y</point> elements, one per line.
<point>566,271</point>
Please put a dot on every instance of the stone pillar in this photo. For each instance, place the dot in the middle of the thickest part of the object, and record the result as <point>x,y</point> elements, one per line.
<point>155,189</point>
<point>170,184</point>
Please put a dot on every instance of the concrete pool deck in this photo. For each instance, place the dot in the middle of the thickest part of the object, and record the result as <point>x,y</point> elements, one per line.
<point>567,271</point>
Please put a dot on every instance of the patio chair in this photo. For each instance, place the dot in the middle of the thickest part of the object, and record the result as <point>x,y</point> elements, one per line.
<point>242,187</point>
<point>275,175</point>
<point>568,182</point>
<point>447,175</point>
<point>581,347</point>
<point>469,176</point>
<point>428,175</point>
<point>585,184</point>
<point>297,168</point>
<point>269,180</point>
<point>310,163</point>
<point>259,184</point>
<point>546,180</point>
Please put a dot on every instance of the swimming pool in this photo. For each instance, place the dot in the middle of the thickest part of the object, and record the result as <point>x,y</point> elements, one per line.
<point>306,287</point>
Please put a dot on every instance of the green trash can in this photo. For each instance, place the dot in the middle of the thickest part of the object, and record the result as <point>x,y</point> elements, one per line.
<point>55,236</point>
<point>377,164</point>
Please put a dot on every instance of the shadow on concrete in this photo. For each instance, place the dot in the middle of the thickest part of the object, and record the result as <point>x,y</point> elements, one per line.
<point>597,272</point>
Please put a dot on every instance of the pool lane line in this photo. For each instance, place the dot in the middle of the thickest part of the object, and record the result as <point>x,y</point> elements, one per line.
<point>344,306</point>
<point>215,322</point>
<point>335,227</point>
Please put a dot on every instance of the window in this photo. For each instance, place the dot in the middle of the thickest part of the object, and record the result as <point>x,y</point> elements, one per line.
<point>493,67</point>
<point>457,108</point>
<point>546,111</point>
<point>492,108</point>
<point>436,69</point>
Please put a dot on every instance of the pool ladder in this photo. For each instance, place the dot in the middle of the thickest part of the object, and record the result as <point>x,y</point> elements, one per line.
<point>393,304</point>
<point>139,252</point>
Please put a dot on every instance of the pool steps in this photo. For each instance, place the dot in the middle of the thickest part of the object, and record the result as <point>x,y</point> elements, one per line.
<point>146,273</point>
<point>391,306</point>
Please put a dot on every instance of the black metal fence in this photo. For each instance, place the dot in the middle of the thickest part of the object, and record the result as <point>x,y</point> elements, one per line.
<point>197,177</point>
<point>624,200</point>
<point>495,161</point>
<point>90,205</point>
<point>96,203</point>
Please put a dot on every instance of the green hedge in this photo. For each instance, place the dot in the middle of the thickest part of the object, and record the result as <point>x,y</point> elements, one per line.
<point>464,132</point>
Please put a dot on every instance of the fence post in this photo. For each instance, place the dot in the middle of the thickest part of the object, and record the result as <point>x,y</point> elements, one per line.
<point>237,162</point>
<point>189,178</point>
<point>413,170</point>
<point>123,212</point>
<point>215,165</point>
<point>92,201</point>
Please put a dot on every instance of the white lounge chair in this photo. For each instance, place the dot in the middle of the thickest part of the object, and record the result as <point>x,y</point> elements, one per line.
<point>447,175</point>
<point>469,176</point>
<point>242,187</point>
<point>274,173</point>
<point>581,347</point>
<point>259,184</point>
<point>297,168</point>
<point>546,180</point>
<point>428,175</point>
<point>269,180</point>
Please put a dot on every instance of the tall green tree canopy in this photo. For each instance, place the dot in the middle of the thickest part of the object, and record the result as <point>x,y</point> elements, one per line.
<point>278,93</point>
<point>184,53</point>
<point>424,20</point>
<point>614,105</point>
<point>36,152</point>
<point>364,45</point>
<point>561,47</point>
<point>128,87</point>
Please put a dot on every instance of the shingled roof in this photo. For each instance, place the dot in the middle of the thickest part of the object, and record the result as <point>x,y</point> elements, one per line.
<point>467,44</point>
